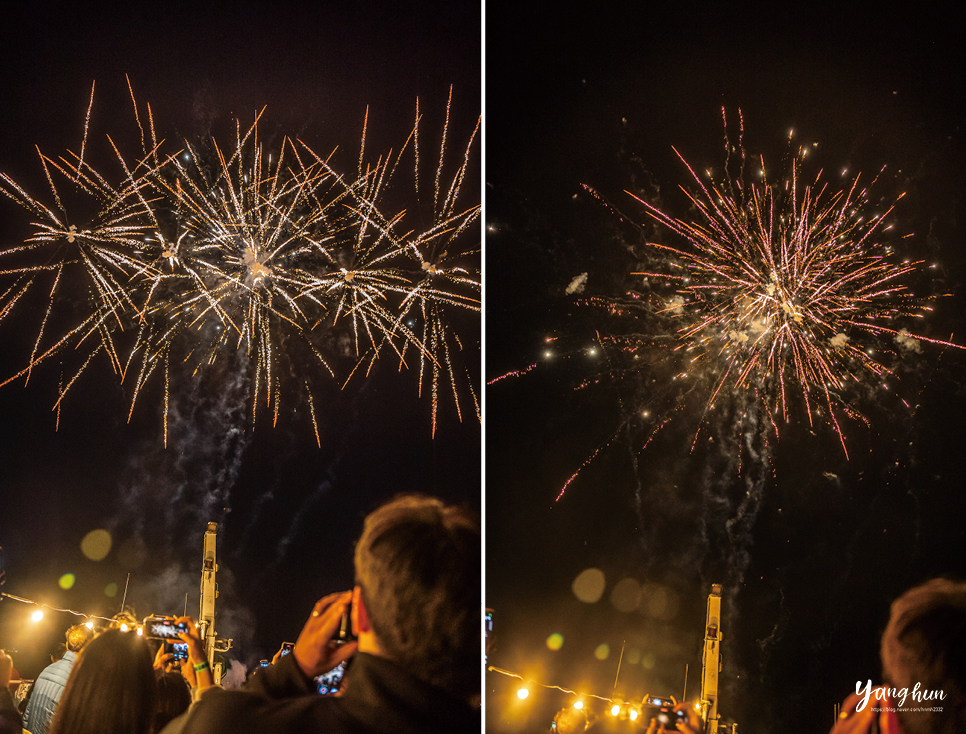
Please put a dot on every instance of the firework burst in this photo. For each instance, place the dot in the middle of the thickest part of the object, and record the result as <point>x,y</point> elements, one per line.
<point>784,294</point>
<point>205,252</point>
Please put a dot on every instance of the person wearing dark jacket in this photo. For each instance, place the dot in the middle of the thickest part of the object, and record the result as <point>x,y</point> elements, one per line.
<point>50,683</point>
<point>415,669</point>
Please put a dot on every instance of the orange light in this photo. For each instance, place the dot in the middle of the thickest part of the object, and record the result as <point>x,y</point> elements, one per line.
<point>523,693</point>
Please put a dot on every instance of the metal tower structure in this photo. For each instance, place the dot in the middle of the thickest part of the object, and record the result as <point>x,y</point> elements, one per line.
<point>711,661</point>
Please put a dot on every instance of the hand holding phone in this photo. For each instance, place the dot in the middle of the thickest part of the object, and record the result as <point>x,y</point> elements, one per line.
<point>319,648</point>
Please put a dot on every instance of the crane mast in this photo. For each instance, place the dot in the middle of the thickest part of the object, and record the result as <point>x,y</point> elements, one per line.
<point>711,661</point>
<point>209,592</point>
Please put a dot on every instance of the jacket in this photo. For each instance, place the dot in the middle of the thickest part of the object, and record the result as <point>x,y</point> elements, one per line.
<point>378,697</point>
<point>46,694</point>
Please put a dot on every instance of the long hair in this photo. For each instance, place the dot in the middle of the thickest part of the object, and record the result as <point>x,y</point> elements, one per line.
<point>111,688</point>
<point>174,698</point>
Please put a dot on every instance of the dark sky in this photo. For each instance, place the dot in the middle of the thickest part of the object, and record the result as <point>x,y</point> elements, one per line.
<point>289,511</point>
<point>598,96</point>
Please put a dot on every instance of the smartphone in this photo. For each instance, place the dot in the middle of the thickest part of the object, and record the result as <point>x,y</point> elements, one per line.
<point>287,647</point>
<point>159,627</point>
<point>328,684</point>
<point>180,649</point>
<point>345,627</point>
<point>264,663</point>
<point>665,713</point>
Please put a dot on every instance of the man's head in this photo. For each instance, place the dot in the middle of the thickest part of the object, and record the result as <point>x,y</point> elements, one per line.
<point>78,636</point>
<point>925,643</point>
<point>59,651</point>
<point>418,574</point>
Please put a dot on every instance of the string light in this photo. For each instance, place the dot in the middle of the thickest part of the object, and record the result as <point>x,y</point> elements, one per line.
<point>633,712</point>
<point>531,683</point>
<point>39,613</point>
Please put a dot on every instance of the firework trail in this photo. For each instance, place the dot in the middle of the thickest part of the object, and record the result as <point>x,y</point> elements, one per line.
<point>206,251</point>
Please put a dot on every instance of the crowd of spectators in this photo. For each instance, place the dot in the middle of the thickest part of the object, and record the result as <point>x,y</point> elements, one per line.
<point>410,629</point>
<point>409,632</point>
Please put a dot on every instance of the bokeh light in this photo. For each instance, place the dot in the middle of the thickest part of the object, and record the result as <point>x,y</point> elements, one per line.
<point>110,590</point>
<point>555,641</point>
<point>649,661</point>
<point>66,581</point>
<point>37,615</point>
<point>602,651</point>
<point>626,595</point>
<point>589,585</point>
<point>659,602</point>
<point>96,545</point>
<point>523,693</point>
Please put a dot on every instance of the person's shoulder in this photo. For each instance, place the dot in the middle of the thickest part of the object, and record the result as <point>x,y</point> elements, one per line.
<point>219,712</point>
<point>58,671</point>
<point>48,673</point>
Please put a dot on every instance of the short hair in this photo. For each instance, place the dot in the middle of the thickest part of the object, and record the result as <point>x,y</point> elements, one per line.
<point>418,565</point>
<point>78,636</point>
<point>60,649</point>
<point>925,643</point>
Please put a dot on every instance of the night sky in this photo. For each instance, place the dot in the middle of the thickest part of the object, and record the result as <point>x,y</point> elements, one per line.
<point>599,96</point>
<point>573,97</point>
<point>288,510</point>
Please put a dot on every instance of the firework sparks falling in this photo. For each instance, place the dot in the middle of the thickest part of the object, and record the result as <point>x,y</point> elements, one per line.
<point>790,291</point>
<point>775,301</point>
<point>203,252</point>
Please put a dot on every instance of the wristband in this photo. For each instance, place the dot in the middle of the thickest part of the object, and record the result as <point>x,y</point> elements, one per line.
<point>202,666</point>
